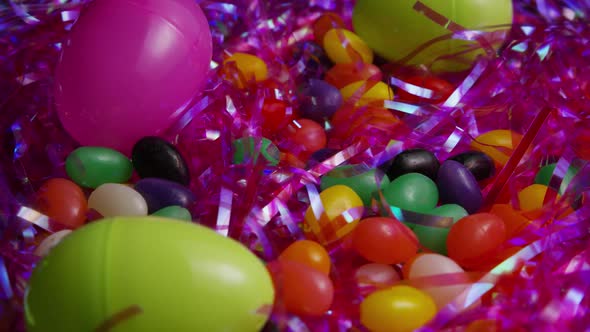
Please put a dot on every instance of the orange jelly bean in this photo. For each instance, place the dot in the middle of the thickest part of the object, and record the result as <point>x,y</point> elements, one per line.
<point>324,24</point>
<point>343,74</point>
<point>64,201</point>
<point>309,253</point>
<point>513,220</point>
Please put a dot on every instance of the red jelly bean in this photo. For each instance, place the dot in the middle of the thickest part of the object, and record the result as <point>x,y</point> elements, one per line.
<point>343,74</point>
<point>441,89</point>
<point>324,24</point>
<point>305,137</point>
<point>384,240</point>
<point>64,201</point>
<point>474,239</point>
<point>304,290</point>
<point>276,114</point>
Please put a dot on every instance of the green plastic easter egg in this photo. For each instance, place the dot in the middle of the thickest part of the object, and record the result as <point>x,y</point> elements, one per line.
<point>138,274</point>
<point>365,184</point>
<point>396,28</point>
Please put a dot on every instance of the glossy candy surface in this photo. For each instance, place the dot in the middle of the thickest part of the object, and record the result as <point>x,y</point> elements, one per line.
<point>331,225</point>
<point>473,239</point>
<point>377,275</point>
<point>384,240</point>
<point>107,268</point>
<point>457,185</point>
<point>305,137</point>
<point>160,193</point>
<point>439,89</point>
<point>308,253</point>
<point>412,191</point>
<point>495,143</point>
<point>478,163</point>
<point>435,238</point>
<point>92,166</point>
<point>344,46</point>
<point>63,201</point>
<point>114,200</point>
<point>325,23</point>
<point>174,212</point>
<point>397,309</point>
<point>365,184</point>
<point>126,59</point>
<point>368,92</point>
<point>319,100</point>
<point>154,157</point>
<point>413,161</point>
<point>242,69</point>
<point>343,74</point>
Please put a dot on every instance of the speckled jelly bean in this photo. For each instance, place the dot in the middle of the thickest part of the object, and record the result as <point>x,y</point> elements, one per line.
<point>344,46</point>
<point>369,93</point>
<point>413,161</point>
<point>114,199</point>
<point>332,224</point>
<point>174,212</point>
<point>91,166</point>
<point>319,100</point>
<point>160,193</point>
<point>478,163</point>
<point>457,185</point>
<point>249,149</point>
<point>412,191</point>
<point>154,157</point>
<point>250,68</point>
<point>364,182</point>
<point>63,201</point>
<point>50,242</point>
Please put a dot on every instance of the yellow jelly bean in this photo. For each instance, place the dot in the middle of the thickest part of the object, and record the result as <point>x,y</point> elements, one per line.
<point>532,197</point>
<point>397,309</point>
<point>344,46</point>
<point>251,68</point>
<point>379,91</point>
<point>489,143</point>
<point>333,223</point>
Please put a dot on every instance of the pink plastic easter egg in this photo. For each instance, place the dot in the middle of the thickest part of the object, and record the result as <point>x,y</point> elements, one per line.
<point>128,69</point>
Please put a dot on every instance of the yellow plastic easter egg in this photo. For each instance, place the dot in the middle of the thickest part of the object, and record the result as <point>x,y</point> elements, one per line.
<point>136,274</point>
<point>344,46</point>
<point>337,217</point>
<point>397,309</point>
<point>493,142</point>
<point>250,67</point>
<point>379,91</point>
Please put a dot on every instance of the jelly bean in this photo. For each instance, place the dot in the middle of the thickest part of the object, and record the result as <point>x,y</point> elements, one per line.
<point>487,325</point>
<point>454,280</point>
<point>305,290</point>
<point>275,114</point>
<point>308,137</point>
<point>114,199</point>
<point>490,141</point>
<point>413,161</point>
<point>50,242</point>
<point>160,193</point>
<point>513,220</point>
<point>377,275</point>
<point>63,201</point>
<point>397,309</point>
<point>384,240</point>
<point>435,238</point>
<point>377,92</point>
<point>478,163</point>
<point>332,225</point>
<point>441,89</point>
<point>343,74</point>
<point>309,59</point>
<point>309,253</point>
<point>250,69</point>
<point>545,174</point>
<point>458,186</point>
<point>319,100</point>
<point>474,238</point>
<point>174,212</point>
<point>344,46</point>
<point>154,157</point>
<point>450,210</point>
<point>325,23</point>
<point>364,182</point>
<point>91,166</point>
<point>412,191</point>
<point>248,149</point>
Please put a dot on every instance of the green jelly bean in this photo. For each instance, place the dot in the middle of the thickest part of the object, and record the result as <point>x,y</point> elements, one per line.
<point>364,183</point>
<point>413,192</point>
<point>450,210</point>
<point>174,212</point>
<point>546,172</point>
<point>245,148</point>
<point>92,166</point>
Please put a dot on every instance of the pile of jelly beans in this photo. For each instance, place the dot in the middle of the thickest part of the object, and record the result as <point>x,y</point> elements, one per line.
<point>98,186</point>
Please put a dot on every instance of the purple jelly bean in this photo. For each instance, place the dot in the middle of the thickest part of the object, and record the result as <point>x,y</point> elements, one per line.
<point>160,193</point>
<point>457,185</point>
<point>320,100</point>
